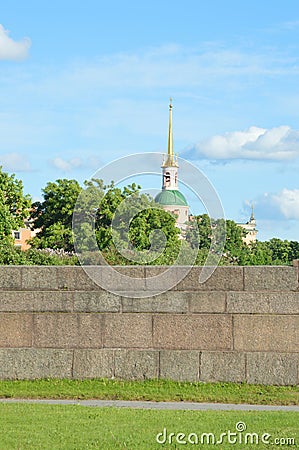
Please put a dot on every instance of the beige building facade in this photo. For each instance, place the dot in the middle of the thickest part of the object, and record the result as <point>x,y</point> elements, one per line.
<point>250,229</point>
<point>23,235</point>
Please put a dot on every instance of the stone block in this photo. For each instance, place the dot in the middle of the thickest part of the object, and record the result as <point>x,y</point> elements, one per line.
<point>272,333</point>
<point>196,332</point>
<point>171,301</point>
<point>96,301</point>
<point>248,302</point>
<point>15,330</point>
<point>284,303</point>
<point>164,278</point>
<point>123,278</point>
<point>136,364</point>
<point>86,278</point>
<point>10,277</point>
<point>32,363</point>
<point>128,330</point>
<point>276,278</point>
<point>131,271</point>
<point>179,365</point>
<point>263,302</point>
<point>222,279</point>
<point>272,368</point>
<point>68,330</point>
<point>207,302</point>
<point>93,363</point>
<point>222,366</point>
<point>36,301</point>
<point>39,277</point>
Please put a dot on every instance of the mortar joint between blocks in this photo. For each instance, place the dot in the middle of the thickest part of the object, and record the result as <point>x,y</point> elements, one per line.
<point>199,365</point>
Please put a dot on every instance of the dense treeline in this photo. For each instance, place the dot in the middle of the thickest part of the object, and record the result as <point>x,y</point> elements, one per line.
<point>272,252</point>
<point>122,223</point>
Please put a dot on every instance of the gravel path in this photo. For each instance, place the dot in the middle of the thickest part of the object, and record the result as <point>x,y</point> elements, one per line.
<point>192,406</point>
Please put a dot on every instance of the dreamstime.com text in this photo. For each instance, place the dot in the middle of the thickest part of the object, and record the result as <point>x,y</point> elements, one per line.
<point>238,436</point>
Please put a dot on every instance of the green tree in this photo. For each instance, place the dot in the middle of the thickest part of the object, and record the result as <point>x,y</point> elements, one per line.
<point>134,225</point>
<point>155,229</point>
<point>126,215</point>
<point>234,245</point>
<point>280,250</point>
<point>220,236</point>
<point>199,232</point>
<point>7,221</point>
<point>256,253</point>
<point>117,221</point>
<point>294,251</point>
<point>234,238</point>
<point>14,205</point>
<point>111,201</point>
<point>54,215</point>
<point>84,219</point>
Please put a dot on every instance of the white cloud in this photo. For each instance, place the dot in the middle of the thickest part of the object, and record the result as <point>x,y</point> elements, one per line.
<point>66,166</point>
<point>13,50</point>
<point>279,143</point>
<point>14,162</point>
<point>288,202</point>
<point>279,206</point>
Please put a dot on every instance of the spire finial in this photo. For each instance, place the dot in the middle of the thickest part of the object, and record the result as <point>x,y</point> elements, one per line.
<point>252,212</point>
<point>170,136</point>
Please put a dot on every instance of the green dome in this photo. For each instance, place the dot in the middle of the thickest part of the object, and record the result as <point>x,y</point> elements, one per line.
<point>169,197</point>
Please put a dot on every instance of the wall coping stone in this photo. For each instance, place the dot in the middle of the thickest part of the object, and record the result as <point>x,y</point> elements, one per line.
<point>225,278</point>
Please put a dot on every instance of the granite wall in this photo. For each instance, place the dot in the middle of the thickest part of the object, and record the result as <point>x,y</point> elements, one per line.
<point>241,325</point>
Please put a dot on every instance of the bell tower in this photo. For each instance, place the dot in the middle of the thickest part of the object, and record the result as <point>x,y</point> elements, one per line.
<point>170,197</point>
<point>170,163</point>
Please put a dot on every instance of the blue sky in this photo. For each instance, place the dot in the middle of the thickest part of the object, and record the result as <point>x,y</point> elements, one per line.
<point>85,83</point>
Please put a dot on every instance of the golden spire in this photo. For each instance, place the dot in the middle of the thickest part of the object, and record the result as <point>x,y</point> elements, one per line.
<point>170,136</point>
<point>171,160</point>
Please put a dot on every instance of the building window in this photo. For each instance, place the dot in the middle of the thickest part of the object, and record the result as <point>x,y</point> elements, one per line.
<point>17,235</point>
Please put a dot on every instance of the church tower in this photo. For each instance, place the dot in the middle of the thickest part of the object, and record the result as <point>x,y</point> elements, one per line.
<point>250,229</point>
<point>170,197</point>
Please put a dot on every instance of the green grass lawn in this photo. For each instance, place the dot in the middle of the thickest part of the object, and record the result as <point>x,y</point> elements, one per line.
<point>156,390</point>
<point>39,426</point>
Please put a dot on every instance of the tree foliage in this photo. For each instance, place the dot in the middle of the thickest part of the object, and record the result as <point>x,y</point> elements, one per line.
<point>127,226</point>
<point>9,254</point>
<point>273,252</point>
<point>14,205</point>
<point>199,232</point>
<point>53,216</point>
<point>120,222</point>
<point>131,228</point>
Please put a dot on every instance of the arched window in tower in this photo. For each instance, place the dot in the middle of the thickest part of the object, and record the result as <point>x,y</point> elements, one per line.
<point>176,178</point>
<point>167,179</point>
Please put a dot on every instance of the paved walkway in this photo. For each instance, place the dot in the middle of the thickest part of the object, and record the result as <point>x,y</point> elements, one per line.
<point>192,406</point>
